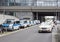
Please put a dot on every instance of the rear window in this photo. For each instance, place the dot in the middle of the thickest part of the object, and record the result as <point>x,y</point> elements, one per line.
<point>8,22</point>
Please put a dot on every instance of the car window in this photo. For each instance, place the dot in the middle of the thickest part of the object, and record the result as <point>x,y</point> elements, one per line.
<point>8,22</point>
<point>21,22</point>
<point>25,21</point>
<point>17,22</point>
<point>29,21</point>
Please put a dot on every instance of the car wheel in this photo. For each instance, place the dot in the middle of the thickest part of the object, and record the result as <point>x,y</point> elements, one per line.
<point>39,31</point>
<point>28,26</point>
<point>25,26</point>
<point>12,29</point>
<point>50,31</point>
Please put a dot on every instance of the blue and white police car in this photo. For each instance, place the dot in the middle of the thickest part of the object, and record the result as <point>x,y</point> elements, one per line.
<point>11,24</point>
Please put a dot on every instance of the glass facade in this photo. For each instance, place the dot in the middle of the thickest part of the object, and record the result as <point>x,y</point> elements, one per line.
<point>3,2</point>
<point>29,2</point>
<point>45,3</point>
<point>59,3</point>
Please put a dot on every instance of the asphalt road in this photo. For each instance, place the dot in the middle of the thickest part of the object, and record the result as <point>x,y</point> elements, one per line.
<point>28,35</point>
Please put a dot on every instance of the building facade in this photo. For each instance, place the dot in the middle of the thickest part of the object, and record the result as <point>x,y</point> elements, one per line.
<point>30,9</point>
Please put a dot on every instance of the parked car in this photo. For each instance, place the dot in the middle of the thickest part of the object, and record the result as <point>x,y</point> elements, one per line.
<point>28,22</point>
<point>37,21</point>
<point>11,25</point>
<point>32,23</point>
<point>45,27</point>
<point>16,25</point>
<point>51,22</point>
<point>23,23</point>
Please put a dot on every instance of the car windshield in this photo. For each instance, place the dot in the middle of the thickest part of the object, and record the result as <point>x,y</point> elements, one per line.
<point>16,22</point>
<point>45,23</point>
<point>25,21</point>
<point>8,22</point>
<point>29,21</point>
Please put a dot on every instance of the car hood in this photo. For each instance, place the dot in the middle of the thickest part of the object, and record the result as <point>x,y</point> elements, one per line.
<point>45,26</point>
<point>16,24</point>
<point>6,25</point>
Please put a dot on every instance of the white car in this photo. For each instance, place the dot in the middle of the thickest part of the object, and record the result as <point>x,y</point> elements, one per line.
<point>51,23</point>
<point>32,23</point>
<point>37,21</point>
<point>45,27</point>
<point>28,23</point>
<point>23,23</point>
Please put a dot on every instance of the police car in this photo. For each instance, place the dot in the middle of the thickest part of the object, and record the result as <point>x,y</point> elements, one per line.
<point>11,24</point>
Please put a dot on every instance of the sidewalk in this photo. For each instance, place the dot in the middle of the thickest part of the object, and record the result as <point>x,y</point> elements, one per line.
<point>54,33</point>
<point>57,36</point>
<point>8,33</point>
<point>54,37</point>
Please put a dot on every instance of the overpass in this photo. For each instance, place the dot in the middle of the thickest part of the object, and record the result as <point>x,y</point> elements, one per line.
<point>36,12</point>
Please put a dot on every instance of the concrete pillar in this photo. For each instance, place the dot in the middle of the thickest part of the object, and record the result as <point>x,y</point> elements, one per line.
<point>37,15</point>
<point>14,14</point>
<point>56,15</point>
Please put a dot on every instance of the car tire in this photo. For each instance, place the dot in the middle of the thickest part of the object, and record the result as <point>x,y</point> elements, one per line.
<point>28,26</point>
<point>12,29</point>
<point>25,26</point>
<point>50,31</point>
<point>39,31</point>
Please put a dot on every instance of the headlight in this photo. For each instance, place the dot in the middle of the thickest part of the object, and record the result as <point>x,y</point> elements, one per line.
<point>39,26</point>
<point>48,29</point>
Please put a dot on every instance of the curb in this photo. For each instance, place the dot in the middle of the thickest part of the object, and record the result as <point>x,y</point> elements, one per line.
<point>8,33</point>
<point>53,37</point>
